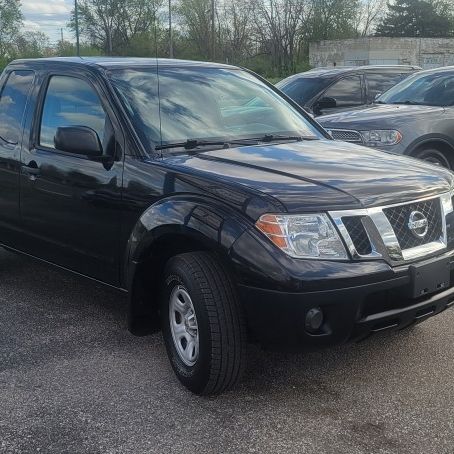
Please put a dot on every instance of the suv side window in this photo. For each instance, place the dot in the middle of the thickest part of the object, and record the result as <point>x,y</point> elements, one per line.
<point>346,92</point>
<point>12,105</point>
<point>379,83</point>
<point>70,101</point>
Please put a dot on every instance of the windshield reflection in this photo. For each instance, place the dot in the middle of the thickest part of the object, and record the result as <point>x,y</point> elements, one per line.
<point>181,104</point>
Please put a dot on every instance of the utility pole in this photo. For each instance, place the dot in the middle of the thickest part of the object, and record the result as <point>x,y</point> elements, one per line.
<point>61,31</point>
<point>76,16</point>
<point>213,36</point>
<point>170,31</point>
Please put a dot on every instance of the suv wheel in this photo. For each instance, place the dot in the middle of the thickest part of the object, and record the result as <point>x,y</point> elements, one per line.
<point>436,157</point>
<point>202,323</point>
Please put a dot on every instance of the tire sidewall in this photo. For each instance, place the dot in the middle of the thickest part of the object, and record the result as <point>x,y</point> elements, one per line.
<point>193,377</point>
<point>439,155</point>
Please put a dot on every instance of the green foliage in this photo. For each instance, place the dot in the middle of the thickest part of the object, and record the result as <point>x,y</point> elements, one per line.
<point>333,19</point>
<point>10,23</point>
<point>417,18</point>
<point>271,37</point>
<point>117,26</point>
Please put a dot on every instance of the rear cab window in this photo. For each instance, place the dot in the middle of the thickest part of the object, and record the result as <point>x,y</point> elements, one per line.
<point>13,101</point>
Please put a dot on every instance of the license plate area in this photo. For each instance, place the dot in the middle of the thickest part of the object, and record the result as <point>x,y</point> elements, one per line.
<point>430,277</point>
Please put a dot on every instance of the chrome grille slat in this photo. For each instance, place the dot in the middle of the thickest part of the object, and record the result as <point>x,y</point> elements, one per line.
<point>385,230</point>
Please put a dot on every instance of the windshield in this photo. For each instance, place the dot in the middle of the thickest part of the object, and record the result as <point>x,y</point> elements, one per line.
<point>205,104</point>
<point>303,89</point>
<point>434,89</point>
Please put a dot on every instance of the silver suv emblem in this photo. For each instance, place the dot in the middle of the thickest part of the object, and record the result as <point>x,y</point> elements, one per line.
<point>418,224</point>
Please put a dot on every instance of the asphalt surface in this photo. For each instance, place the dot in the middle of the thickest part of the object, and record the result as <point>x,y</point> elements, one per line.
<point>73,380</point>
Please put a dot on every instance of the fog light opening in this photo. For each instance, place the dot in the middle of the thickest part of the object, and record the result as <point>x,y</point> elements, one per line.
<point>314,320</point>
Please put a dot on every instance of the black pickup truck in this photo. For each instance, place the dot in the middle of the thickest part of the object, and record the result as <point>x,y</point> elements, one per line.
<point>220,206</point>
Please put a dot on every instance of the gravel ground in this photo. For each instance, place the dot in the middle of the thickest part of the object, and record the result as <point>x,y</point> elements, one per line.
<point>73,380</point>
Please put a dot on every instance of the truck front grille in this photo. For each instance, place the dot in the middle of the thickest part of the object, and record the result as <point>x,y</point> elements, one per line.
<point>346,135</point>
<point>398,233</point>
<point>399,216</point>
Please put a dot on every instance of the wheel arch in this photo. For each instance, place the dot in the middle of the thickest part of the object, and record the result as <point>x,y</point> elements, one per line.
<point>443,143</point>
<point>170,227</point>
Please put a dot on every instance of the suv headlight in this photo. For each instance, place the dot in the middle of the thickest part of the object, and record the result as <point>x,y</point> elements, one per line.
<point>381,137</point>
<point>303,236</point>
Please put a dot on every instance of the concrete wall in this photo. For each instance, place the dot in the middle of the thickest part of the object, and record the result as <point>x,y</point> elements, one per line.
<point>424,52</point>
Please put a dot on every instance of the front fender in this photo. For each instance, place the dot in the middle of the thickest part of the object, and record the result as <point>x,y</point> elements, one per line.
<point>200,218</point>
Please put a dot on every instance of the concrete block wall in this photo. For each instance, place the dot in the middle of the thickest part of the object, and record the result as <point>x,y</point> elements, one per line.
<point>424,52</point>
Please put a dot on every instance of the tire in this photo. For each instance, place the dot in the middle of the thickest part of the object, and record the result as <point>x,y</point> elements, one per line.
<point>210,359</point>
<point>435,156</point>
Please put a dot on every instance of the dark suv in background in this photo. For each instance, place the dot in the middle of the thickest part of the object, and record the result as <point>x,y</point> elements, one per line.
<point>415,117</point>
<point>329,90</point>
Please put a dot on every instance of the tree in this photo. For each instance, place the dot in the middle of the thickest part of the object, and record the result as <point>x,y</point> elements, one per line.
<point>10,23</point>
<point>370,13</point>
<point>278,26</point>
<point>235,32</point>
<point>32,45</point>
<point>195,20</point>
<point>333,19</point>
<point>111,25</point>
<point>416,18</point>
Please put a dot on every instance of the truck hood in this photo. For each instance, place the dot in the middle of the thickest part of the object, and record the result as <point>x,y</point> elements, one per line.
<point>318,175</point>
<point>377,113</point>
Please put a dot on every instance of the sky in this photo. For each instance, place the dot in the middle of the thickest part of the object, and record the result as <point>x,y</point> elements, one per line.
<point>48,16</point>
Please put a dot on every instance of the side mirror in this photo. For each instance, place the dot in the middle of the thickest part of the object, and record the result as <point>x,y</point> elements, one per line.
<point>78,140</point>
<point>377,96</point>
<point>324,103</point>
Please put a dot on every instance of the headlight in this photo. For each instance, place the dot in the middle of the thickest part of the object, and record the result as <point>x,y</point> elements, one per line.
<point>303,236</point>
<point>381,137</point>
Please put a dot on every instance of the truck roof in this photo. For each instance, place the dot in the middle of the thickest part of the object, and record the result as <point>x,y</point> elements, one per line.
<point>115,62</point>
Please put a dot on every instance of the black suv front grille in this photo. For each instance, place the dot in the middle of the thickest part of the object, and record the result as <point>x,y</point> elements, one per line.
<point>399,217</point>
<point>357,232</point>
<point>346,135</point>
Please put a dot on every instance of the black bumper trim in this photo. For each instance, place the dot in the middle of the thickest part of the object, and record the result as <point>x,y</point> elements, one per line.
<point>276,319</point>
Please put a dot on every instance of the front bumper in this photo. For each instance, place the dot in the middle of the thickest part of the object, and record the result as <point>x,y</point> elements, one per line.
<point>276,319</point>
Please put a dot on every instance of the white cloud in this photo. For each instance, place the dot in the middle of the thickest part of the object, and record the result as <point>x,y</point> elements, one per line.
<point>49,7</point>
<point>48,16</point>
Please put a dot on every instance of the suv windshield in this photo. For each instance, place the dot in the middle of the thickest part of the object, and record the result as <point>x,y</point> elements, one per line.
<point>187,103</point>
<point>434,89</point>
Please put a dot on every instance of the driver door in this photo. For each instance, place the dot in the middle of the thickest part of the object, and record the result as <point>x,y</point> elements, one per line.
<point>70,203</point>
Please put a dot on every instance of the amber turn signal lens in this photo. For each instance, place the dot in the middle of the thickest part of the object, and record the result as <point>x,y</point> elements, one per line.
<point>269,225</point>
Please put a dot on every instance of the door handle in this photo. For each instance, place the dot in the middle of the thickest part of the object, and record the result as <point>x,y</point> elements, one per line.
<point>31,169</point>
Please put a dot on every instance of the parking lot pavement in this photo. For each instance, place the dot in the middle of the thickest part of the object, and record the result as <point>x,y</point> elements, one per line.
<point>73,380</point>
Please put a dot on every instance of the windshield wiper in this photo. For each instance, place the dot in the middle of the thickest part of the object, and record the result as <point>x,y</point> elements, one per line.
<point>273,137</point>
<point>408,102</point>
<point>190,144</point>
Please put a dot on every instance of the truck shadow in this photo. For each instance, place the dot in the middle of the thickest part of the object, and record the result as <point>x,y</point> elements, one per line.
<point>102,312</point>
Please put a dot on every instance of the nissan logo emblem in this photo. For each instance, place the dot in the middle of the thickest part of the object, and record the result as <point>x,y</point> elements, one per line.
<point>418,224</point>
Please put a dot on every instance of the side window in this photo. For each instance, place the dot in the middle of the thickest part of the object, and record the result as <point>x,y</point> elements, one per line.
<point>346,92</point>
<point>70,102</point>
<point>379,83</point>
<point>12,105</point>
